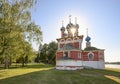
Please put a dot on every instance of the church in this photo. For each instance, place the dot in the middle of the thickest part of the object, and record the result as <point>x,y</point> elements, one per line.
<point>71,56</point>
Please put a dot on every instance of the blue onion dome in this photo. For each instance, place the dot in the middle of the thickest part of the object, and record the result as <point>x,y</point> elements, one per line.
<point>62,28</point>
<point>69,25</point>
<point>87,39</point>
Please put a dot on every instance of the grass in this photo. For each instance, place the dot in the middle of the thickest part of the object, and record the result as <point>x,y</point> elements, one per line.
<point>46,74</point>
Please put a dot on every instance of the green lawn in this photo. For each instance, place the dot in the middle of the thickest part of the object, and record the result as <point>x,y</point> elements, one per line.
<point>46,74</point>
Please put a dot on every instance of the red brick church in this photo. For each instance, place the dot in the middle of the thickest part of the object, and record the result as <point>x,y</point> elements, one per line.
<point>71,56</point>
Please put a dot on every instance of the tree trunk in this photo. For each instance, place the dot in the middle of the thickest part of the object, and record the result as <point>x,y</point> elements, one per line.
<point>6,63</point>
<point>10,61</point>
<point>23,62</point>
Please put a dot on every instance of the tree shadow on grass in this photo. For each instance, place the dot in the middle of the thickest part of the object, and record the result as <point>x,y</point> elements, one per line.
<point>41,65</point>
<point>53,76</point>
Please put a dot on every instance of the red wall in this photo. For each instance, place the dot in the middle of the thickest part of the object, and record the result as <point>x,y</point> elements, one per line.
<point>76,44</point>
<point>95,56</point>
<point>85,56</point>
<point>74,55</point>
<point>101,56</point>
<point>59,55</point>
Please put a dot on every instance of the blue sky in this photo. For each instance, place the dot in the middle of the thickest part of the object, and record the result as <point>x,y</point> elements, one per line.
<point>101,17</point>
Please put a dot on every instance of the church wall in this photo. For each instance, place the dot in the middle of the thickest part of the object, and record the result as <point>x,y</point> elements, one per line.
<point>94,64</point>
<point>101,65</point>
<point>101,55</point>
<point>95,56</point>
<point>76,44</point>
<point>59,55</point>
<point>76,55</point>
<point>69,64</point>
<point>76,61</point>
<point>86,58</point>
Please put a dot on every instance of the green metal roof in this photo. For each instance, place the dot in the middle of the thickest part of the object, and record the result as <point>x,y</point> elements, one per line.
<point>91,48</point>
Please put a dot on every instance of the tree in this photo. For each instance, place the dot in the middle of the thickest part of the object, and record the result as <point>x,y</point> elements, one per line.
<point>44,53</point>
<point>52,52</point>
<point>37,59</point>
<point>25,53</point>
<point>16,28</point>
<point>47,52</point>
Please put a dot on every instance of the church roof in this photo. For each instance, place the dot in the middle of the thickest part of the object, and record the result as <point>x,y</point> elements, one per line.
<point>91,48</point>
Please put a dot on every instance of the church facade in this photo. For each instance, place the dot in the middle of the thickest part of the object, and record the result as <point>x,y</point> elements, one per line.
<point>71,56</point>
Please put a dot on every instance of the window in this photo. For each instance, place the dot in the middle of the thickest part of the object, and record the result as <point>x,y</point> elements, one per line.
<point>79,55</point>
<point>66,54</point>
<point>90,56</point>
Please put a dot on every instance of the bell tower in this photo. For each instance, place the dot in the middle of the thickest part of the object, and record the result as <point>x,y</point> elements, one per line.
<point>69,28</point>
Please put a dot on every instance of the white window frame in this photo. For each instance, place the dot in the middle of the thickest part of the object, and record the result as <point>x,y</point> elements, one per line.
<point>90,59</point>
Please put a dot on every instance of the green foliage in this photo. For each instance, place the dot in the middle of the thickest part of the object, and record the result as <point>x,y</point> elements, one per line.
<point>25,53</point>
<point>15,28</point>
<point>44,53</point>
<point>37,59</point>
<point>52,52</point>
<point>47,53</point>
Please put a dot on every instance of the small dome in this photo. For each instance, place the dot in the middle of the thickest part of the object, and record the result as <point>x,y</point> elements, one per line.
<point>62,29</point>
<point>65,34</point>
<point>69,25</point>
<point>87,39</point>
